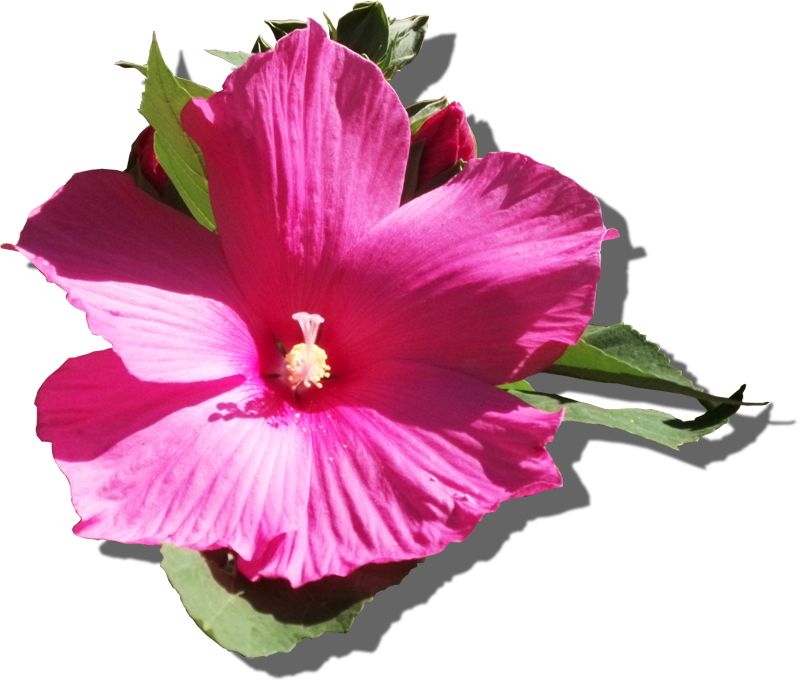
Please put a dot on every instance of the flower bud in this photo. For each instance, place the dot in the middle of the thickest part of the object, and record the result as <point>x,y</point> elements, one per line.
<point>143,154</point>
<point>447,140</point>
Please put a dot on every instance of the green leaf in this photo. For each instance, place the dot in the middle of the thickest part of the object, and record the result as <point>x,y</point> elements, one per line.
<point>235,58</point>
<point>620,354</point>
<point>523,386</point>
<point>657,426</point>
<point>420,112</point>
<point>193,88</point>
<point>138,67</point>
<point>284,27</point>
<point>162,102</point>
<point>365,30</point>
<point>260,618</point>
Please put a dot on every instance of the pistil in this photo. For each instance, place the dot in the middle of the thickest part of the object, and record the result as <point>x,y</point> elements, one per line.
<point>306,363</point>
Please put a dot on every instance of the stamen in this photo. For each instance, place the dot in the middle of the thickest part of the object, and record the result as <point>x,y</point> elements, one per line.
<point>306,362</point>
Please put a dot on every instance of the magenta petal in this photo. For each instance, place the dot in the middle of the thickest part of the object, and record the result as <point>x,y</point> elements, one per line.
<point>202,465</point>
<point>152,281</point>
<point>492,274</point>
<point>406,459</point>
<point>305,149</point>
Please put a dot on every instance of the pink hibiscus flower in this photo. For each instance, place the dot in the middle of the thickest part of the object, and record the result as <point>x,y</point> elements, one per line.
<point>380,436</point>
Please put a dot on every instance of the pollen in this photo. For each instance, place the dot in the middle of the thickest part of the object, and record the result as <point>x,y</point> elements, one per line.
<point>306,363</point>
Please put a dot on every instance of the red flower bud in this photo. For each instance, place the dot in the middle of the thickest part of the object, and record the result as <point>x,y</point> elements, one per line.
<point>447,138</point>
<point>144,154</point>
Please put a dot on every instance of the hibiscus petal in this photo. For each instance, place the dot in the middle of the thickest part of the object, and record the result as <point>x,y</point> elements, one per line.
<point>406,459</point>
<point>492,274</point>
<point>305,149</point>
<point>201,465</point>
<point>151,280</point>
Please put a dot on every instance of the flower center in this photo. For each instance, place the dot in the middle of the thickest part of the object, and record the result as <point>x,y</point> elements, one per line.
<point>306,362</point>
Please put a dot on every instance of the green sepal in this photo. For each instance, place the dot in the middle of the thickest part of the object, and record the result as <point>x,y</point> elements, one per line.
<point>260,618</point>
<point>132,162</point>
<point>365,30</point>
<point>650,424</point>
<point>412,171</point>
<point>442,178</point>
<point>331,27</point>
<point>420,112</point>
<point>162,102</point>
<point>141,182</point>
<point>474,139</point>
<point>389,11</point>
<point>284,27</point>
<point>260,46</point>
<point>172,197</point>
<point>405,41</point>
<point>620,354</point>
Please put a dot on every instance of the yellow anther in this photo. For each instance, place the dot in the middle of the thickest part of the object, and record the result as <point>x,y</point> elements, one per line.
<point>306,365</point>
<point>306,362</point>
